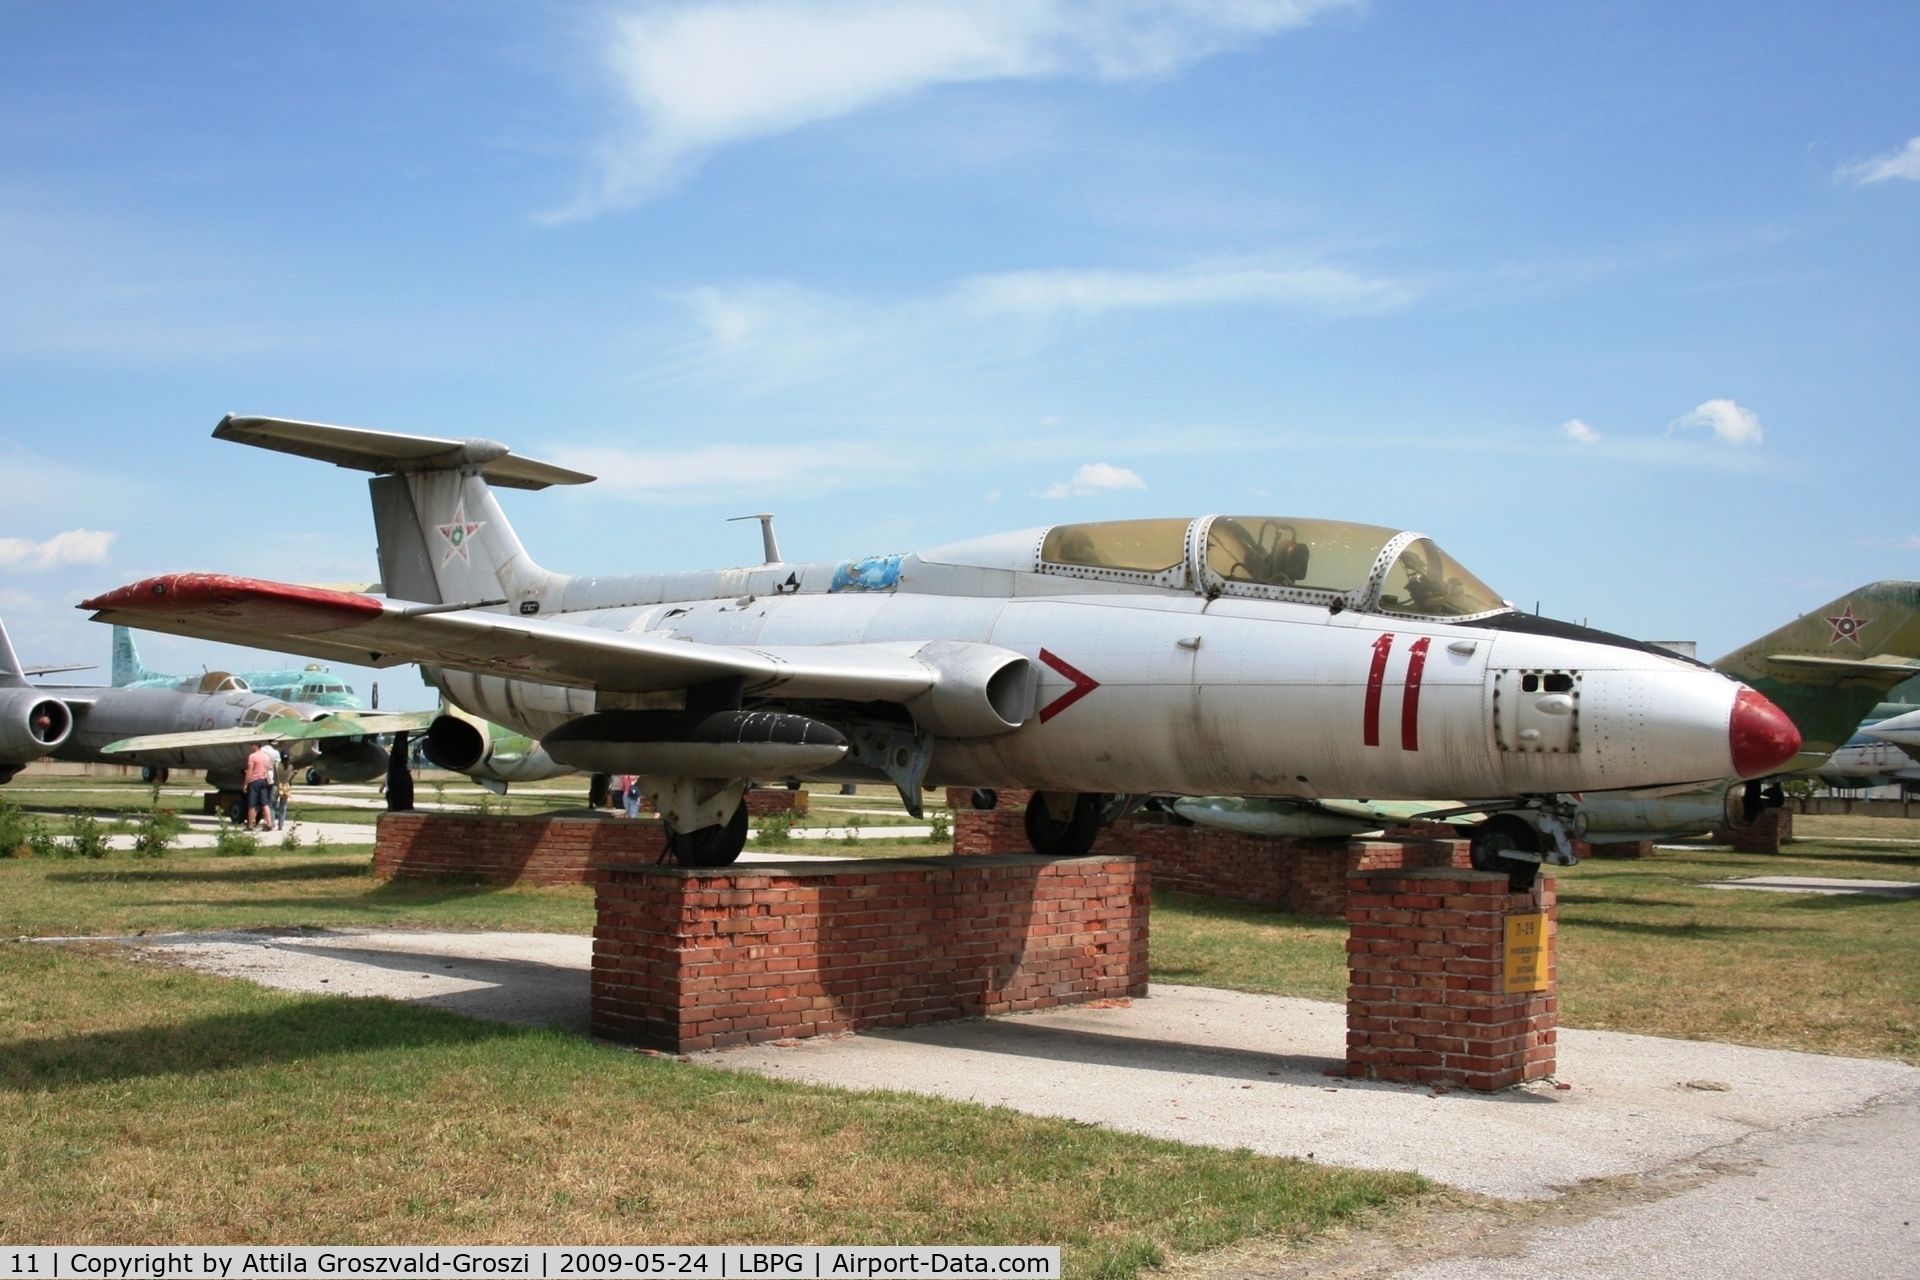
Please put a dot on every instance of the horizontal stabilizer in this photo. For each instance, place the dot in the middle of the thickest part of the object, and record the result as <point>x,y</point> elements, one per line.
<point>381,633</point>
<point>340,724</point>
<point>387,452</point>
<point>57,667</point>
<point>1886,667</point>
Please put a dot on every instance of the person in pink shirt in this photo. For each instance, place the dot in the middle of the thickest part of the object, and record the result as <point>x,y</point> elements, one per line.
<point>260,785</point>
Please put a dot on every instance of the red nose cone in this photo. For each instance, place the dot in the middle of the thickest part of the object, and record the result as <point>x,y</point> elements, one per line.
<point>1760,735</point>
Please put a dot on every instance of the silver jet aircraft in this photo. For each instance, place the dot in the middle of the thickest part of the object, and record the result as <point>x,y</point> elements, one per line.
<point>1241,655</point>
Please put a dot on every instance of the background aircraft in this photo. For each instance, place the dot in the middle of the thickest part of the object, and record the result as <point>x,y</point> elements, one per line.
<point>312,684</point>
<point>77,722</point>
<point>1088,662</point>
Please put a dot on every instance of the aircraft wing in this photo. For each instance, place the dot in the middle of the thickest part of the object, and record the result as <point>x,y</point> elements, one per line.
<point>56,668</point>
<point>341,724</point>
<point>383,633</point>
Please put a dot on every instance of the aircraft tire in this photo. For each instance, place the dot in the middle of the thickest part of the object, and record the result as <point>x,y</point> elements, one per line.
<point>1052,838</point>
<point>715,846</point>
<point>1499,835</point>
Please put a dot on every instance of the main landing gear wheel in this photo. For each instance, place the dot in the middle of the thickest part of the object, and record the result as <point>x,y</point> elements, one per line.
<point>715,846</point>
<point>1053,838</point>
<point>1499,836</point>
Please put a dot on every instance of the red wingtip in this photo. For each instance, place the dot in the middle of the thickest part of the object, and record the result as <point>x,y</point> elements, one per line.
<point>1760,735</point>
<point>280,605</point>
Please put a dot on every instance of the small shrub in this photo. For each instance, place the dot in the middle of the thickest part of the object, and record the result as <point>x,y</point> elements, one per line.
<point>155,830</point>
<point>289,841</point>
<point>852,828</point>
<point>234,842</point>
<point>942,826</point>
<point>320,843</point>
<point>776,828</point>
<point>41,844</point>
<point>14,829</point>
<point>86,837</point>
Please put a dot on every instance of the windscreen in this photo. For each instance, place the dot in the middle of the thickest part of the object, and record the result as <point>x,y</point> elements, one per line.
<point>1425,580</point>
<point>1280,551</point>
<point>1143,546</point>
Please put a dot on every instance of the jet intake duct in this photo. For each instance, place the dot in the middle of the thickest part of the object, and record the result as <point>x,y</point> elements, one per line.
<point>31,724</point>
<point>456,744</point>
<point>696,744</point>
<point>979,691</point>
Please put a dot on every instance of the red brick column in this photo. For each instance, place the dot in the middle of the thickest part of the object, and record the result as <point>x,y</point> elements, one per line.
<point>1765,834</point>
<point>508,850</point>
<point>1614,849</point>
<point>1428,999</point>
<point>695,959</point>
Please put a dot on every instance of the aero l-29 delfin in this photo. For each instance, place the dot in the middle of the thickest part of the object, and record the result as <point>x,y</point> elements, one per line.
<point>1239,655</point>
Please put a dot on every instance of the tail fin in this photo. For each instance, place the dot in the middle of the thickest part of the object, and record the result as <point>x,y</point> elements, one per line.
<point>127,668</point>
<point>11,676</point>
<point>443,538</point>
<point>1828,669</point>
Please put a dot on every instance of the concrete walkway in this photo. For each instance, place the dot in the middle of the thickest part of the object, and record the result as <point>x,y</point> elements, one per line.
<point>1217,1068</point>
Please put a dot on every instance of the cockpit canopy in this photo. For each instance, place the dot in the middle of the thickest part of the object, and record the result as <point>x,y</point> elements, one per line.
<point>1362,566</point>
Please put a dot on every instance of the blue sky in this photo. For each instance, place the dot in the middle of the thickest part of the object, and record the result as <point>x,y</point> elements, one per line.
<point>1617,302</point>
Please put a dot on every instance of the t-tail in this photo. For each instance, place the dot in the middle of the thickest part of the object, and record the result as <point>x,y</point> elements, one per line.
<point>1829,668</point>
<point>443,539</point>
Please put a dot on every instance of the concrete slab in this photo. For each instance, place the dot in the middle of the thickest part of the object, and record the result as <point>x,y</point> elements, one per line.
<point>1822,885</point>
<point>203,833</point>
<point>1215,1068</point>
<point>1229,1069</point>
<point>534,979</point>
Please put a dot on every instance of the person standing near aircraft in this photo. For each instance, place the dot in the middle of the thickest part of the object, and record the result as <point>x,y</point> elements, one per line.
<point>260,765</point>
<point>630,793</point>
<point>282,788</point>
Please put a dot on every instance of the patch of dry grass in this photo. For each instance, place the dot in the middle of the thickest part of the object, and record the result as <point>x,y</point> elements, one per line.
<point>150,1105</point>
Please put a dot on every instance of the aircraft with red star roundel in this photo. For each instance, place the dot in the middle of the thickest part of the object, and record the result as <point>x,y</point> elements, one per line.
<point>1097,664</point>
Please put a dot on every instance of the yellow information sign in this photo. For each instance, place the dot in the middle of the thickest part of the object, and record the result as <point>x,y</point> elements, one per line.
<point>1527,953</point>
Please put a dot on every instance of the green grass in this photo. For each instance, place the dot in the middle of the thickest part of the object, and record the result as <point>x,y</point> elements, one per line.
<point>1644,946</point>
<point>186,892</point>
<point>144,1104</point>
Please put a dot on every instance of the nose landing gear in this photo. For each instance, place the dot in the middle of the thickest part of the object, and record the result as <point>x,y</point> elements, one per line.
<point>1505,844</point>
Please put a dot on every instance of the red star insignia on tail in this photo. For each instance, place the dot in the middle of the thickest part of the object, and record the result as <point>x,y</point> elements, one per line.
<point>1846,626</point>
<point>459,533</point>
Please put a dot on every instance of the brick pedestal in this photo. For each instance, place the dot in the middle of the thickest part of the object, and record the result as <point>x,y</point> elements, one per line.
<point>688,959</point>
<point>509,850</point>
<point>1765,834</point>
<point>1614,849</point>
<point>1427,1000</point>
<point>1305,876</point>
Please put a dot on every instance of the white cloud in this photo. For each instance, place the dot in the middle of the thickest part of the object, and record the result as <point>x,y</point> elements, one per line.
<point>1579,431</point>
<point>1909,543</point>
<point>1904,163</point>
<point>1727,420</point>
<point>75,546</point>
<point>1095,477</point>
<point>699,76</point>
<point>1317,288</point>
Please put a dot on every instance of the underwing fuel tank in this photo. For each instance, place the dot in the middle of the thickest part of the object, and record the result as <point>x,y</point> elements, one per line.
<point>696,744</point>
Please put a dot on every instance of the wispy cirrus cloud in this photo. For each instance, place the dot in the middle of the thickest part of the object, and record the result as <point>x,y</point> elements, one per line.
<point>1095,477</point>
<point>1904,163</point>
<point>695,77</point>
<point>74,546</point>
<point>713,471</point>
<point>1313,288</point>
<point>1579,432</point>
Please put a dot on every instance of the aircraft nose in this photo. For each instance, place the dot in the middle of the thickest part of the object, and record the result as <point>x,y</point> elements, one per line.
<point>1761,736</point>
